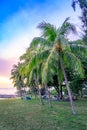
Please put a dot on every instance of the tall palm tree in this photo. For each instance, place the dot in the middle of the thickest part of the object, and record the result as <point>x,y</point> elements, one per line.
<point>55,40</point>
<point>31,69</point>
<point>34,66</point>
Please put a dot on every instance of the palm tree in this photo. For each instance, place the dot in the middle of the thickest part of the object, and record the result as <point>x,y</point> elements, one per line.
<point>17,78</point>
<point>31,69</point>
<point>55,40</point>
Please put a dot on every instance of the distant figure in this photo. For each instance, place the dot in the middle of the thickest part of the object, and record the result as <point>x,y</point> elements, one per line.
<point>28,98</point>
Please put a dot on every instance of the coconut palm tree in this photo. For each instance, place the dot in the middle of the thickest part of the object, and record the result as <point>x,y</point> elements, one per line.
<point>31,69</point>
<point>17,78</point>
<point>55,40</point>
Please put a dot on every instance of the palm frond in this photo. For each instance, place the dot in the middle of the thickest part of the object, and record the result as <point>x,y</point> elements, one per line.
<point>74,2</point>
<point>23,68</point>
<point>66,20</point>
<point>39,41</point>
<point>67,27</point>
<point>74,63</point>
<point>36,59</point>
<point>60,74</point>
<point>23,57</point>
<point>78,47</point>
<point>47,66</point>
<point>48,31</point>
<point>31,76</point>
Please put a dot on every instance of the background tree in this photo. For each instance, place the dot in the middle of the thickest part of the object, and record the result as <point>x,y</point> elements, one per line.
<point>80,50</point>
<point>17,79</point>
<point>83,6</point>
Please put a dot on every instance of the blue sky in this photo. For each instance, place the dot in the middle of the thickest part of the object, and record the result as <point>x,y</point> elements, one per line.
<point>18,26</point>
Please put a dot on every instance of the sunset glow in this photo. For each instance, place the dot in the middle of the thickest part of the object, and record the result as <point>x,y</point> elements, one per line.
<point>18,26</point>
<point>4,80</point>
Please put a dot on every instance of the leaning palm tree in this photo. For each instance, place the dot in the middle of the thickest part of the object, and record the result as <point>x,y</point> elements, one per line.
<point>31,69</point>
<point>55,40</point>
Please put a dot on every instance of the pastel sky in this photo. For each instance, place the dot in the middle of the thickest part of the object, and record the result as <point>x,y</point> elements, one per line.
<point>18,26</point>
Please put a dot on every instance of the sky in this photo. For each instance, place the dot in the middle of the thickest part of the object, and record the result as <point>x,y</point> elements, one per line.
<point>18,26</point>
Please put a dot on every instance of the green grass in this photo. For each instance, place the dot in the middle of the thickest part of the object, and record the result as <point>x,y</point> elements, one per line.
<point>17,114</point>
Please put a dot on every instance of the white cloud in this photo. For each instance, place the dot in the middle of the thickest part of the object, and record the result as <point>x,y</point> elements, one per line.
<point>18,31</point>
<point>20,28</point>
<point>17,45</point>
<point>5,82</point>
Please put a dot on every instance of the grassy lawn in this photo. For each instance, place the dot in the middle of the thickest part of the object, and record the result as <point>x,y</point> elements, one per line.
<point>17,114</point>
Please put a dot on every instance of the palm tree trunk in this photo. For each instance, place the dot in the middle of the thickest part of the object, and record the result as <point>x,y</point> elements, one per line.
<point>48,93</point>
<point>36,82</point>
<point>61,91</point>
<point>58,91</point>
<point>67,85</point>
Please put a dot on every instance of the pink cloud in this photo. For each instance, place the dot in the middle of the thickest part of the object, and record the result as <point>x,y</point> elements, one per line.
<point>6,66</point>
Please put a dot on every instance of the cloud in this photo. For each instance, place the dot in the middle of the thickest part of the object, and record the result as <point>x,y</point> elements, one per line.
<point>16,39</point>
<point>17,33</point>
<point>5,72</point>
<point>17,45</point>
<point>4,80</point>
<point>19,29</point>
<point>6,65</point>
